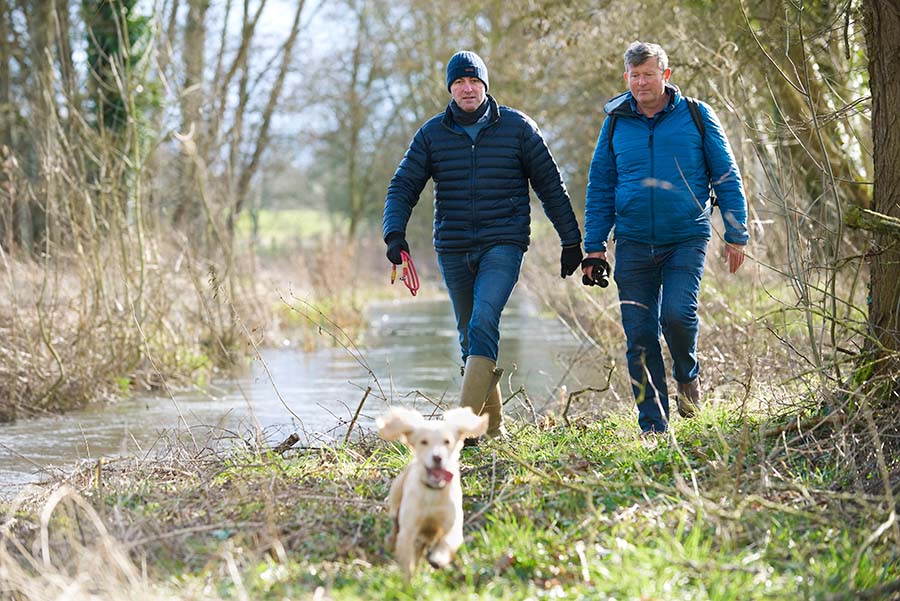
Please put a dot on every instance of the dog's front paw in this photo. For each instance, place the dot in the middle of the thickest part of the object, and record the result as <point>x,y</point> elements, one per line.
<point>439,557</point>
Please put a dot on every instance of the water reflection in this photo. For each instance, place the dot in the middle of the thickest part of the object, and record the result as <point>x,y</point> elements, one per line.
<point>411,350</point>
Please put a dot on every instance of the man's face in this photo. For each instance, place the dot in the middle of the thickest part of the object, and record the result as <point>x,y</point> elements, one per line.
<point>468,92</point>
<point>647,82</point>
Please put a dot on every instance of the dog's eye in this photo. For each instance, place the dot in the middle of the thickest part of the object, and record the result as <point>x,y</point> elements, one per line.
<point>423,442</point>
<point>447,441</point>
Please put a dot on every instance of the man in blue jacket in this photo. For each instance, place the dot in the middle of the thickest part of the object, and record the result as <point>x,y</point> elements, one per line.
<point>482,157</point>
<point>651,175</point>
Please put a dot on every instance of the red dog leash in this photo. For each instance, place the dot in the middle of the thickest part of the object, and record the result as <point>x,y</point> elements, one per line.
<point>408,276</point>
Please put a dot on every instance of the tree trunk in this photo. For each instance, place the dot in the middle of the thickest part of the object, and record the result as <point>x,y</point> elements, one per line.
<point>6,112</point>
<point>168,38</point>
<point>356,124</point>
<point>7,187</point>
<point>31,216</point>
<point>883,42</point>
<point>192,99</point>
<point>69,77</point>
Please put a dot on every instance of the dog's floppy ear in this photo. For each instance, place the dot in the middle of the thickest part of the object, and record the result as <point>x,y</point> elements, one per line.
<point>465,420</point>
<point>398,423</point>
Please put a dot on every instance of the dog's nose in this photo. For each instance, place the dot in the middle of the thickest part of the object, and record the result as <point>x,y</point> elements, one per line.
<point>436,459</point>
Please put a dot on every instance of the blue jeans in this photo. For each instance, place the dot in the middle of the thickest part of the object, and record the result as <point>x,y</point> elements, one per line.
<point>480,283</point>
<point>658,290</point>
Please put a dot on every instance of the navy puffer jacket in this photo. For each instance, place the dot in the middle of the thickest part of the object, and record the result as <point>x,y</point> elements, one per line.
<point>480,188</point>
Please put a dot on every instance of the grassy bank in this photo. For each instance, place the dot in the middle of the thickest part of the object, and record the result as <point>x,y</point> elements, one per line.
<point>730,506</point>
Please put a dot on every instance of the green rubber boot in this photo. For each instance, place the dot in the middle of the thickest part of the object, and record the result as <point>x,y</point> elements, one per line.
<point>481,392</point>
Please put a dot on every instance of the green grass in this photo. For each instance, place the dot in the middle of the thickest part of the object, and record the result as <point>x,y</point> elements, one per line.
<point>581,512</point>
<point>287,228</point>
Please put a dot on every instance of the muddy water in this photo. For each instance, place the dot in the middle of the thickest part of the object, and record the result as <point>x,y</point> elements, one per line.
<point>411,348</point>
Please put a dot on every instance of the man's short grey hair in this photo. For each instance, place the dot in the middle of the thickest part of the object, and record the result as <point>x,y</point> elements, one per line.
<point>638,52</point>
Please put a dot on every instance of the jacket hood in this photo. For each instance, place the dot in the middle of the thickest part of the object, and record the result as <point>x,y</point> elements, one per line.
<point>624,102</point>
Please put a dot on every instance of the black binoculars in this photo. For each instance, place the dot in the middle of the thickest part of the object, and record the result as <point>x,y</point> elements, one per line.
<point>599,275</point>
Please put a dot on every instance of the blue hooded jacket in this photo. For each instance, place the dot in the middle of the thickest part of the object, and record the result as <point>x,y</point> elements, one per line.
<point>481,195</point>
<point>653,186</point>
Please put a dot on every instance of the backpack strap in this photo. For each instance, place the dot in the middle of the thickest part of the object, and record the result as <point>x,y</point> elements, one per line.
<point>612,129</point>
<point>697,116</point>
<point>694,107</point>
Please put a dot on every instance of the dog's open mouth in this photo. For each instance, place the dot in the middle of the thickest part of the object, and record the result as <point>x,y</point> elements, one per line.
<point>437,477</point>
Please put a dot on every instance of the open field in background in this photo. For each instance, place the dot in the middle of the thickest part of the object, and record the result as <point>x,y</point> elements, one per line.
<point>286,230</point>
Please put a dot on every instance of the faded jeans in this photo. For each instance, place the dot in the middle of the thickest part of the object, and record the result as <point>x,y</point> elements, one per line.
<point>480,284</point>
<point>658,292</point>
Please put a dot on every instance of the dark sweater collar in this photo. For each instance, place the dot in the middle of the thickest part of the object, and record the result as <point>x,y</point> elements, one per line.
<point>465,118</point>
<point>492,108</point>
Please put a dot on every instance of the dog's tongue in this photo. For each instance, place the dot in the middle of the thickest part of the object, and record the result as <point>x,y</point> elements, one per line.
<point>441,474</point>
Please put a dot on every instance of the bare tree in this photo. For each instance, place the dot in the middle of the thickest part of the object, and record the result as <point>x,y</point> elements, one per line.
<point>7,115</point>
<point>260,142</point>
<point>883,40</point>
<point>226,128</point>
<point>193,96</point>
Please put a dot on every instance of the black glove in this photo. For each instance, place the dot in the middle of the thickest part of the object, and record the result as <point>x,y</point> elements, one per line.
<point>570,260</point>
<point>600,273</point>
<point>395,243</point>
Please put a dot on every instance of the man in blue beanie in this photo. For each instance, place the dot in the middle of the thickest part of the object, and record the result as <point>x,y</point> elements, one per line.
<point>482,157</point>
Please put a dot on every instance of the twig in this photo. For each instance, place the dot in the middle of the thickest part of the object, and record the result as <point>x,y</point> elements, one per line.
<point>808,425</point>
<point>347,343</point>
<point>286,444</point>
<point>879,592</point>
<point>577,393</point>
<point>882,465</point>
<point>522,394</point>
<point>891,522</point>
<point>356,415</point>
<point>585,490</point>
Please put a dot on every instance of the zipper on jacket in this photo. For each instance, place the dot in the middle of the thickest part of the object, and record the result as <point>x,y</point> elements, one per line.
<point>472,176</point>
<point>653,123</point>
<point>652,186</point>
<point>472,193</point>
<point>475,223</point>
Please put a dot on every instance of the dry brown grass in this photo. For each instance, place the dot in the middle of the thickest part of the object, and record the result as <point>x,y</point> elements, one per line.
<point>72,337</point>
<point>120,527</point>
<point>76,334</point>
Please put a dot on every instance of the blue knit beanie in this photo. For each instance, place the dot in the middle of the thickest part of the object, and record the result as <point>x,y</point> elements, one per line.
<point>466,64</point>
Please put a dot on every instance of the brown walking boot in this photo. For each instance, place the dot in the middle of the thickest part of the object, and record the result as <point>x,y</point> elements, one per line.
<point>688,398</point>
